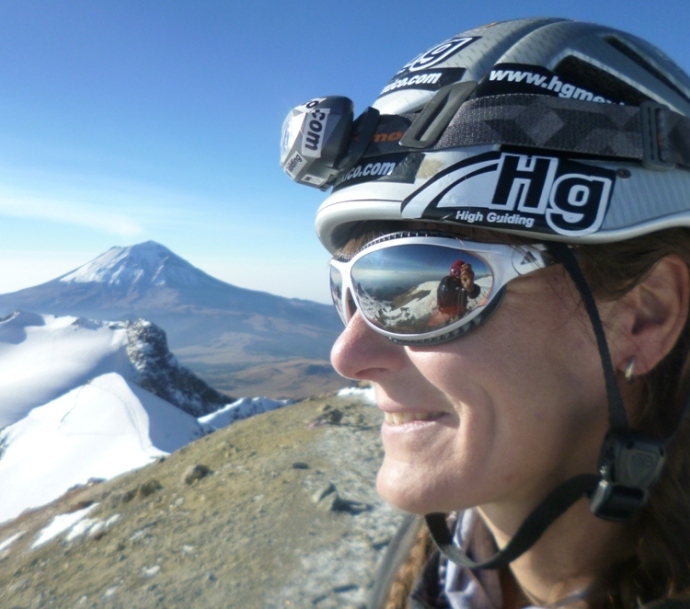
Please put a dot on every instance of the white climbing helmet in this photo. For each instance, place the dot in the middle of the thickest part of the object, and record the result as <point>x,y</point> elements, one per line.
<point>548,128</point>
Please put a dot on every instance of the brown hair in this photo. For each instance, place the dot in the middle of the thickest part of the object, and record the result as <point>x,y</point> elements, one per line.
<point>660,566</point>
<point>410,570</point>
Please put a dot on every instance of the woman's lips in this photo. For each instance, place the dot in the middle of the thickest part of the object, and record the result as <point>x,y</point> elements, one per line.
<point>401,418</point>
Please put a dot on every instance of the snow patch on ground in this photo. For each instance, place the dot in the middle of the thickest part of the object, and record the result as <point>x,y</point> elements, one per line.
<point>364,393</point>
<point>6,543</point>
<point>59,524</point>
<point>241,409</point>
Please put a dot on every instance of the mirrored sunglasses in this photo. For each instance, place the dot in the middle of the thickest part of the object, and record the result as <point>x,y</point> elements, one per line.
<point>420,289</point>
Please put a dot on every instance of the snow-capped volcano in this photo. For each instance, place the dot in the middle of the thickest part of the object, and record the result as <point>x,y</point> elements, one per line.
<point>147,264</point>
<point>212,321</point>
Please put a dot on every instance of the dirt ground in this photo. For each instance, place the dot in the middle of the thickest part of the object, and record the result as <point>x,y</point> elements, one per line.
<point>276,511</point>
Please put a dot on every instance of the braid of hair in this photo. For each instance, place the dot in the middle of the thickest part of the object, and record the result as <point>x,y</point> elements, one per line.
<point>410,570</point>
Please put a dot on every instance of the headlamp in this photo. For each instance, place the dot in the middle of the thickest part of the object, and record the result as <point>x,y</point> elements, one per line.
<point>320,139</point>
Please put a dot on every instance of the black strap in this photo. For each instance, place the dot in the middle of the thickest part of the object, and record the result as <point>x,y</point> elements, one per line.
<point>557,502</point>
<point>618,419</point>
<point>668,603</point>
<point>650,133</point>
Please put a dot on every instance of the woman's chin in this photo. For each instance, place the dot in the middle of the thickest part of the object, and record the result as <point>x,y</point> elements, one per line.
<point>408,490</point>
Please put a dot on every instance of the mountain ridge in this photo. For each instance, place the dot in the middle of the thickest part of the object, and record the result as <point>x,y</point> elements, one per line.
<point>98,398</point>
<point>220,331</point>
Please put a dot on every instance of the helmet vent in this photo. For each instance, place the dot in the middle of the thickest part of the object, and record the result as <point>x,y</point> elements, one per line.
<point>635,56</point>
<point>584,74</point>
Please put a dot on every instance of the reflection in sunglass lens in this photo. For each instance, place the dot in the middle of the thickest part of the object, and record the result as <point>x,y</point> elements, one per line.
<point>416,288</point>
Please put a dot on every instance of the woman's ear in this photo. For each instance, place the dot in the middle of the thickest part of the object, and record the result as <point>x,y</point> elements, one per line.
<point>648,320</point>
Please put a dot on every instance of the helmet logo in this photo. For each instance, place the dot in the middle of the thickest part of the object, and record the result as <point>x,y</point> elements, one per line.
<point>417,74</point>
<point>522,78</point>
<point>400,168</point>
<point>431,80</point>
<point>437,54</point>
<point>529,193</point>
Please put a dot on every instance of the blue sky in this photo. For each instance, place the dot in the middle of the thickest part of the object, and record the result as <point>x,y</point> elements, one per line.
<point>128,120</point>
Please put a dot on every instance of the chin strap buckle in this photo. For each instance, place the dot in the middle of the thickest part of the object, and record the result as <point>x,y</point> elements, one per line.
<point>629,464</point>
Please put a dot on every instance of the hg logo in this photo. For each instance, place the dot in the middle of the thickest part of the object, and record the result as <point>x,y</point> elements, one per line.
<point>542,193</point>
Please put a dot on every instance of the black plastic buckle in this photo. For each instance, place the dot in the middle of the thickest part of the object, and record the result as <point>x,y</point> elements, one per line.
<point>655,148</point>
<point>432,121</point>
<point>629,464</point>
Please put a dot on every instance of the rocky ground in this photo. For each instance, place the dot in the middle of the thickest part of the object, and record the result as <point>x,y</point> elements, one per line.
<point>276,511</point>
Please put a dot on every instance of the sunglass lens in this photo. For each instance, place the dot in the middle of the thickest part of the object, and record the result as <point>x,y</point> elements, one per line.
<point>416,289</point>
<point>337,293</point>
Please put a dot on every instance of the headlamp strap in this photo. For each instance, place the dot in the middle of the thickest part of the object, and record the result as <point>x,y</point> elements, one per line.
<point>363,129</point>
<point>651,133</point>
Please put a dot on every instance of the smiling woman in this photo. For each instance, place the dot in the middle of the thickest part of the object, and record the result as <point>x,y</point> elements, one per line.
<point>516,288</point>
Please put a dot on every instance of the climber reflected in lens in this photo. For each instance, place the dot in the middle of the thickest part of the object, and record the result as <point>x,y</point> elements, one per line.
<point>451,294</point>
<point>458,293</point>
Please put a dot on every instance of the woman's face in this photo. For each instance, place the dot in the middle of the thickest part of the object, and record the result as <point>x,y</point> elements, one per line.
<point>497,417</point>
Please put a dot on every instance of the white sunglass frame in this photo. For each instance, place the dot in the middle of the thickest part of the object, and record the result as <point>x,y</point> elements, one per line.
<point>501,258</point>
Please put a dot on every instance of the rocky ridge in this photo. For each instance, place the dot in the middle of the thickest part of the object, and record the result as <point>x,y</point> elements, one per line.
<point>279,510</point>
<point>158,371</point>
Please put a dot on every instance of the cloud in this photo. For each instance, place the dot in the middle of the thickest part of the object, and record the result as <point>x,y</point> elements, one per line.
<point>46,209</point>
<point>110,204</point>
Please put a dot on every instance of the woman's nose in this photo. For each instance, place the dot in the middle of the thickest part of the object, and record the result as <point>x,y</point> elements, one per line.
<point>362,354</point>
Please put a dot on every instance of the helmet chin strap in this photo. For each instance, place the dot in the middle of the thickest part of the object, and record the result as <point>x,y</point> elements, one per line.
<point>629,463</point>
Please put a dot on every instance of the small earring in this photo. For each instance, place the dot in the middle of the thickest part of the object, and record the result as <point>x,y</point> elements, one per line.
<point>630,371</point>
